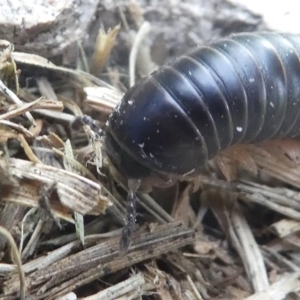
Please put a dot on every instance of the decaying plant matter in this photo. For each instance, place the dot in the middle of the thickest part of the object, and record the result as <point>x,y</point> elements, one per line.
<point>232,234</point>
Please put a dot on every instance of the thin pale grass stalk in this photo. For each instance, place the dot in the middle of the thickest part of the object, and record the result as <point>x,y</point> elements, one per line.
<point>194,289</point>
<point>253,258</point>
<point>17,258</point>
<point>46,88</point>
<point>31,245</point>
<point>29,213</point>
<point>142,33</point>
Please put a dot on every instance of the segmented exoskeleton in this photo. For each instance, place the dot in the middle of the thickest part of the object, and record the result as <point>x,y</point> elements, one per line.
<point>240,89</point>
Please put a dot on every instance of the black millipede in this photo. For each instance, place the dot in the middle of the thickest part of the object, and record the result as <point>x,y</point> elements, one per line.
<point>241,89</point>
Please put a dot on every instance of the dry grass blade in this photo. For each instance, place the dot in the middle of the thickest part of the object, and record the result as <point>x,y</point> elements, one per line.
<point>19,110</point>
<point>51,257</point>
<point>32,157</point>
<point>132,284</point>
<point>55,115</point>
<point>14,98</point>
<point>34,239</point>
<point>46,89</point>
<point>194,289</point>
<point>7,133</point>
<point>37,104</point>
<point>104,45</point>
<point>252,256</point>
<point>80,78</point>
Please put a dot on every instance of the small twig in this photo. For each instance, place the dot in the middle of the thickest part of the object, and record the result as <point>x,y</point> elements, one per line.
<point>134,50</point>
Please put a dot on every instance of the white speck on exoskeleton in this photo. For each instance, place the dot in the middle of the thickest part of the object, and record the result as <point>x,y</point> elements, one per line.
<point>151,155</point>
<point>157,130</point>
<point>175,116</point>
<point>272,87</point>
<point>141,145</point>
<point>251,80</point>
<point>130,102</point>
<point>271,104</point>
<point>148,138</point>
<point>239,129</point>
<point>190,73</point>
<point>145,118</point>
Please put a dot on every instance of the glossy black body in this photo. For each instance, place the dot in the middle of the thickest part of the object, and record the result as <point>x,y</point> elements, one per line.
<point>240,89</point>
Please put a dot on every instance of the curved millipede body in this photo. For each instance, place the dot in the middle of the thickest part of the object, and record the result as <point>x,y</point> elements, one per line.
<point>240,89</point>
